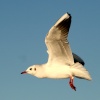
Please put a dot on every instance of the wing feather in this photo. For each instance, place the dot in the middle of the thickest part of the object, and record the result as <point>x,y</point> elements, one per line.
<point>57,42</point>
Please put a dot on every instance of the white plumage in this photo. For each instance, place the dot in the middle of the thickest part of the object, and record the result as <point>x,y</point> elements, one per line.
<point>60,62</point>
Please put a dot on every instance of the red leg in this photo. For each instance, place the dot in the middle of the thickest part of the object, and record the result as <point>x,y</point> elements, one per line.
<point>71,83</point>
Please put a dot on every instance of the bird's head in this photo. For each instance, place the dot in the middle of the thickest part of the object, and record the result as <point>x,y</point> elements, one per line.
<point>31,70</point>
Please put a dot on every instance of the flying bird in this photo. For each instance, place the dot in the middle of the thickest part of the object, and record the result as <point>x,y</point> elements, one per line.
<point>62,63</point>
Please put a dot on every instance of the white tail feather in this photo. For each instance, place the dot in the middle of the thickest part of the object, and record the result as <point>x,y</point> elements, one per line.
<point>79,71</point>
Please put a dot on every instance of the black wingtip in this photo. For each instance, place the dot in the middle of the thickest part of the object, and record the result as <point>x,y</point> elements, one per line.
<point>69,14</point>
<point>78,59</point>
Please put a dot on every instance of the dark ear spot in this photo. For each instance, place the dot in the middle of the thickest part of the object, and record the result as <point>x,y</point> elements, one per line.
<point>35,69</point>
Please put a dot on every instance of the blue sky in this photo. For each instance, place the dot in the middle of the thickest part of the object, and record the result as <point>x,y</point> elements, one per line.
<point>23,27</point>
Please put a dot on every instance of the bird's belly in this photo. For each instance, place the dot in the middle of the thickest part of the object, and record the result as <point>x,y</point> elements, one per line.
<point>58,73</point>
<point>58,76</point>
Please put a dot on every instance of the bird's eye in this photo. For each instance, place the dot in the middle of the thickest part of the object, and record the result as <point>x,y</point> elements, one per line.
<point>30,68</point>
<point>35,69</point>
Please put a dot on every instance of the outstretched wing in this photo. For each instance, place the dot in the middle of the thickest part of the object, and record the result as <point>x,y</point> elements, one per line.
<point>57,42</point>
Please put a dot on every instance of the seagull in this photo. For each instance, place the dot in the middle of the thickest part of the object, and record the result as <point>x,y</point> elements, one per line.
<point>61,63</point>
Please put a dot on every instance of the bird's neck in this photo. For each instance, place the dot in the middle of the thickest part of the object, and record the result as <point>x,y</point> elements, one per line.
<point>41,71</point>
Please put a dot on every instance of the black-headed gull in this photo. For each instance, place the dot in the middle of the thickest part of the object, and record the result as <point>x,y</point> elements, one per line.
<point>61,62</point>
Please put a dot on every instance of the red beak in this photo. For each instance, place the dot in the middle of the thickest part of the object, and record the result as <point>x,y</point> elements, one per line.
<point>24,72</point>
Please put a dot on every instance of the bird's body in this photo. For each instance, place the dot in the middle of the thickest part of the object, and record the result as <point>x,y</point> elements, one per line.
<point>62,63</point>
<point>55,71</point>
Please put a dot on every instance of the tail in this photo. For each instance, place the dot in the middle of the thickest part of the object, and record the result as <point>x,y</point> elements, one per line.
<point>79,71</point>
